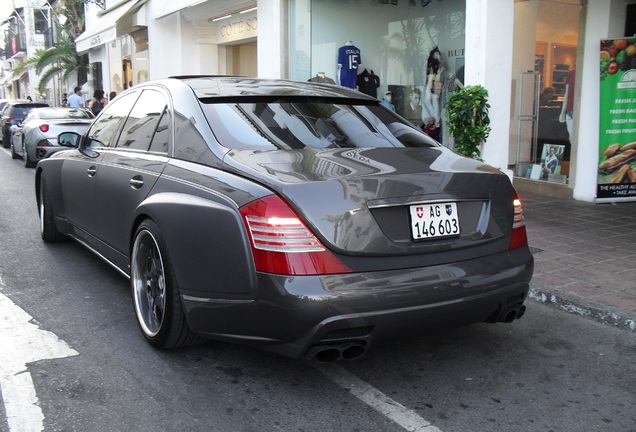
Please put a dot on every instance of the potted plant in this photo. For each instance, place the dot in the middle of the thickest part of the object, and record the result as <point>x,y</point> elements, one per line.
<point>468,121</point>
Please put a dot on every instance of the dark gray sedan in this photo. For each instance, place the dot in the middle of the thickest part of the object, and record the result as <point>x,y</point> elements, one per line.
<point>304,219</point>
<point>35,138</point>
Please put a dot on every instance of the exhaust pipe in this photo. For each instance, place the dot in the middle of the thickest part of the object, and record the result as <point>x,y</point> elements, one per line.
<point>332,353</point>
<point>511,313</point>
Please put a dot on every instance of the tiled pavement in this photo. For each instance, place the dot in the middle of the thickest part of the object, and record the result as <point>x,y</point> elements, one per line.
<point>585,256</point>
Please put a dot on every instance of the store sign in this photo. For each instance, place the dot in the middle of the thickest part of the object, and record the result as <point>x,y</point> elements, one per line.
<point>237,27</point>
<point>617,141</point>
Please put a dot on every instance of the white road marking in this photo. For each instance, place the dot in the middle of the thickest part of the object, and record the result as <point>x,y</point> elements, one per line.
<point>398,413</point>
<point>21,343</point>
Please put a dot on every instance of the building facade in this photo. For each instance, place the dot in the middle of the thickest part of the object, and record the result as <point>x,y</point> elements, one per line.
<point>419,50</point>
<point>27,26</point>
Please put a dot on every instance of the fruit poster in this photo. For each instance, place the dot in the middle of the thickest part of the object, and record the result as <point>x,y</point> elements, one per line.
<point>617,141</point>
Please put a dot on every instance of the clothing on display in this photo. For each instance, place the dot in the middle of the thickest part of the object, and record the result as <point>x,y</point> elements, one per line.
<point>321,77</point>
<point>348,61</point>
<point>368,83</point>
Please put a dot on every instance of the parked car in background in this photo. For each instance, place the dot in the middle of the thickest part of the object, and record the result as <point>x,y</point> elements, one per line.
<point>36,137</point>
<point>3,103</point>
<point>305,219</point>
<point>13,113</point>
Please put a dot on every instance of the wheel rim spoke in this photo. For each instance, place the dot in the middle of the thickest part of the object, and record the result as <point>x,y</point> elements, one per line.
<point>149,284</point>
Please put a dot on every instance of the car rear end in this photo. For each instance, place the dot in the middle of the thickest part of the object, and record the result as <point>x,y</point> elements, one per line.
<point>43,142</point>
<point>13,114</point>
<point>377,258</point>
<point>370,232</point>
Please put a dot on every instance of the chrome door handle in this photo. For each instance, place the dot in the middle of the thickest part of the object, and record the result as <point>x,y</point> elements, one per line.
<point>137,182</point>
<point>91,171</point>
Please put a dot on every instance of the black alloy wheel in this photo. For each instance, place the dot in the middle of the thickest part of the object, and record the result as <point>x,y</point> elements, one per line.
<point>154,291</point>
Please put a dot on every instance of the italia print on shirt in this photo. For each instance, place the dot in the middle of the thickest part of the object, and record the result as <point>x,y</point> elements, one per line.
<point>348,61</point>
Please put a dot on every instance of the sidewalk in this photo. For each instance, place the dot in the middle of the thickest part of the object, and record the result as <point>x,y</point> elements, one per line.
<point>585,256</point>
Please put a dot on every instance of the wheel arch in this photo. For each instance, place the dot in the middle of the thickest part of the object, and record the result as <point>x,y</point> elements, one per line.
<point>207,243</point>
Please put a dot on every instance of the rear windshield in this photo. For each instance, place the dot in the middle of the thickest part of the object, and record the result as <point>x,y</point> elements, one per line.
<point>22,110</point>
<point>62,113</point>
<point>298,123</point>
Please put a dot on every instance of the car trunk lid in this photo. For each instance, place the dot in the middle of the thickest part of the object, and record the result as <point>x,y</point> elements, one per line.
<point>363,202</point>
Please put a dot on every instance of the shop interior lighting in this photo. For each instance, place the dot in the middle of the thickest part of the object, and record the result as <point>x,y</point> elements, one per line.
<point>222,18</point>
<point>230,15</point>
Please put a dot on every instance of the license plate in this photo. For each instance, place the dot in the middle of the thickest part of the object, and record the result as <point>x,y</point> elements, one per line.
<point>434,220</point>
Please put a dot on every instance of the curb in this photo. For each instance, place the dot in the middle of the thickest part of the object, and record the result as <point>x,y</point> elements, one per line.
<point>615,319</point>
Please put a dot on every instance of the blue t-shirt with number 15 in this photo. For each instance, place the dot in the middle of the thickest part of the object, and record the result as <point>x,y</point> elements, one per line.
<point>349,59</point>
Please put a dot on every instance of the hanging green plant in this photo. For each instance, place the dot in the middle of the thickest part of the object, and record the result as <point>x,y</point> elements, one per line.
<point>468,121</point>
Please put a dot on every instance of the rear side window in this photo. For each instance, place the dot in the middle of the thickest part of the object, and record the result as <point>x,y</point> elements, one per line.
<point>104,131</point>
<point>141,125</point>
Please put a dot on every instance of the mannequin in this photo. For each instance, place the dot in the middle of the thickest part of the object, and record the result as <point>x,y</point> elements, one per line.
<point>321,77</point>
<point>348,61</point>
<point>567,110</point>
<point>387,101</point>
<point>431,99</point>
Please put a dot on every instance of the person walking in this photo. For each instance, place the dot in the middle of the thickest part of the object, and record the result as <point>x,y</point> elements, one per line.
<point>98,102</point>
<point>75,100</point>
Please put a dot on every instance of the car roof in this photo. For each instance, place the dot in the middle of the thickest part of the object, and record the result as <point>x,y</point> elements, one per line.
<point>214,86</point>
<point>27,102</point>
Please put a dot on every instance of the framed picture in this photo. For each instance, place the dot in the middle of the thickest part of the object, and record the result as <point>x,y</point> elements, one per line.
<point>551,159</point>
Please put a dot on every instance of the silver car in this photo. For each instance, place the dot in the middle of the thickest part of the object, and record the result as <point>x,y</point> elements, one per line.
<point>36,137</point>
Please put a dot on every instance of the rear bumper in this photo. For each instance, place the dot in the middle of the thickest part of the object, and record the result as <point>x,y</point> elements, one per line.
<point>292,314</point>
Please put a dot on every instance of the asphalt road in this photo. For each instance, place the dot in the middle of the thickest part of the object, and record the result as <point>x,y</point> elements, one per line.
<point>549,371</point>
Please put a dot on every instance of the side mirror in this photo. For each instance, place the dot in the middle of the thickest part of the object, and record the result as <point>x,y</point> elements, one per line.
<point>68,139</point>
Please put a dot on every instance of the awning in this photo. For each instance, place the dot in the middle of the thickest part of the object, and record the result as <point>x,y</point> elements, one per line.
<point>105,29</point>
<point>7,78</point>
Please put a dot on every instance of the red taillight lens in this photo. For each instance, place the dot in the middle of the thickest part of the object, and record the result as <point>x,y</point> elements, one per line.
<point>44,127</point>
<point>282,244</point>
<point>518,236</point>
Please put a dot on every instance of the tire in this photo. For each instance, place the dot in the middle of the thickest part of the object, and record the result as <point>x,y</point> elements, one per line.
<point>14,155</point>
<point>5,140</point>
<point>48,229</point>
<point>155,293</point>
<point>28,163</point>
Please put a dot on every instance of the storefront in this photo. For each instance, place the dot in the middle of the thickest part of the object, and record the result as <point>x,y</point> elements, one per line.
<point>212,37</point>
<point>515,50</point>
<point>545,57</point>
<point>410,53</point>
<point>116,41</point>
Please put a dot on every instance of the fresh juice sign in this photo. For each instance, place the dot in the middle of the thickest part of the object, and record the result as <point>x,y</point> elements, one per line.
<point>617,141</point>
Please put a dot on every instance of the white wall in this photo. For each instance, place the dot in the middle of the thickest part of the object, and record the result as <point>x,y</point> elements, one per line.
<point>272,39</point>
<point>489,47</point>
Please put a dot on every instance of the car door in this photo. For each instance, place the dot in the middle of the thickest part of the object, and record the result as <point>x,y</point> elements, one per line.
<point>130,169</point>
<point>81,170</point>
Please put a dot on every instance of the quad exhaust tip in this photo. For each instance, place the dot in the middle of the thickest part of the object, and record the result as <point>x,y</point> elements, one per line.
<point>335,352</point>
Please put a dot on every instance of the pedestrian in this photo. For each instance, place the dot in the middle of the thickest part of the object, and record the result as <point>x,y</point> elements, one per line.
<point>98,102</point>
<point>75,100</point>
<point>112,95</point>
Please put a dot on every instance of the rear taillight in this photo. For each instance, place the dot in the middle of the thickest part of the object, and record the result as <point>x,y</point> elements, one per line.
<point>282,244</point>
<point>518,236</point>
<point>44,127</point>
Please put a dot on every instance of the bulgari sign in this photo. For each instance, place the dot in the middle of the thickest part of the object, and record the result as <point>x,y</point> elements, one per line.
<point>236,27</point>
